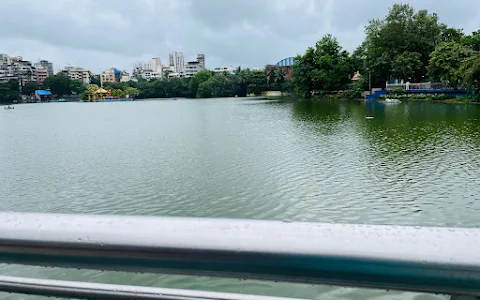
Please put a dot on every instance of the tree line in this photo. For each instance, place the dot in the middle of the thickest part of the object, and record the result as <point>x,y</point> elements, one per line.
<point>207,84</point>
<point>408,45</point>
<point>59,84</point>
<point>204,84</point>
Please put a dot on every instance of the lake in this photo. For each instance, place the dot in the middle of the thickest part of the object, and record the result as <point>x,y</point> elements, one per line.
<point>412,164</point>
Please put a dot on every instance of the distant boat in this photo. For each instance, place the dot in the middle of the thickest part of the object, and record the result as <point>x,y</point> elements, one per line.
<point>388,100</point>
<point>9,107</point>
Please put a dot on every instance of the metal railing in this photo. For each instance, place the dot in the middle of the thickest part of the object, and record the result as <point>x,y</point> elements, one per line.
<point>417,86</point>
<point>433,260</point>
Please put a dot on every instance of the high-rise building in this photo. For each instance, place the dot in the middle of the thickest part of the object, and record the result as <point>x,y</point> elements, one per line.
<point>201,60</point>
<point>47,66</point>
<point>176,61</point>
<point>156,64</point>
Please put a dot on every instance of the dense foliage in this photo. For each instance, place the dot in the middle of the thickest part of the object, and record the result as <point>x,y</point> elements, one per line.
<point>204,84</point>
<point>406,45</point>
<point>9,91</point>
<point>325,68</point>
<point>61,85</point>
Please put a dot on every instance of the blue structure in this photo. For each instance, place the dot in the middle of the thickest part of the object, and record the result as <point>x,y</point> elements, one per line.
<point>460,93</point>
<point>286,62</point>
<point>43,95</point>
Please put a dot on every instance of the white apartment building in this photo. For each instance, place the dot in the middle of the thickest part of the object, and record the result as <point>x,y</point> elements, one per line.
<point>149,75</point>
<point>156,64</point>
<point>228,69</point>
<point>16,68</point>
<point>176,61</point>
<point>193,67</point>
<point>77,73</point>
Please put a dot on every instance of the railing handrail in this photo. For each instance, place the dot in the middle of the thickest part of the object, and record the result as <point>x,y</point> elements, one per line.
<point>436,260</point>
<point>100,291</point>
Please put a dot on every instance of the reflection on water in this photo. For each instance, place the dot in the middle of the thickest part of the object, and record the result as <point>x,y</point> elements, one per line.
<point>412,164</point>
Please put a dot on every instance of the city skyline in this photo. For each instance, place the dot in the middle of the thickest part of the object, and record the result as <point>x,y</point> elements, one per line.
<point>243,33</point>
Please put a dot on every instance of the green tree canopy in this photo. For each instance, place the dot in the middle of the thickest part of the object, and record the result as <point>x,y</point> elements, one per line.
<point>445,63</point>
<point>402,31</point>
<point>77,86</point>
<point>472,41</point>
<point>325,68</point>
<point>470,72</point>
<point>58,84</point>
<point>131,92</point>
<point>198,79</point>
<point>9,92</point>
<point>407,65</point>
<point>29,88</point>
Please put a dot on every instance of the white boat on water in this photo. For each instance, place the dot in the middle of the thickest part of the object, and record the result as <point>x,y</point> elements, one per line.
<point>388,100</point>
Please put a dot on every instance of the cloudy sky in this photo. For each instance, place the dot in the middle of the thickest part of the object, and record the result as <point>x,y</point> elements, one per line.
<point>98,34</point>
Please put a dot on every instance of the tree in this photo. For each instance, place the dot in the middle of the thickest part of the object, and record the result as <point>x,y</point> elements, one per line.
<point>402,30</point>
<point>118,93</point>
<point>332,67</point>
<point>445,63</point>
<point>13,85</point>
<point>242,77</point>
<point>325,68</point>
<point>280,80</point>
<point>452,35</point>
<point>7,94</point>
<point>303,73</point>
<point>58,84</point>
<point>95,79</point>
<point>77,86</point>
<point>131,92</point>
<point>407,65</point>
<point>219,85</point>
<point>257,82</point>
<point>29,88</point>
<point>470,72</point>
<point>472,41</point>
<point>272,78</point>
<point>166,73</point>
<point>198,79</point>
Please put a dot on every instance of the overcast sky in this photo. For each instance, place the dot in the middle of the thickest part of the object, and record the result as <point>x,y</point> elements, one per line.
<point>99,34</point>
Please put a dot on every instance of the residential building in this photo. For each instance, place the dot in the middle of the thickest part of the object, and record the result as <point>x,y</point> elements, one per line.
<point>149,75</point>
<point>110,76</point>
<point>126,77</point>
<point>46,65</point>
<point>201,60</point>
<point>228,69</point>
<point>139,67</point>
<point>40,75</point>
<point>16,68</point>
<point>193,67</point>
<point>77,73</point>
<point>177,61</point>
<point>156,64</point>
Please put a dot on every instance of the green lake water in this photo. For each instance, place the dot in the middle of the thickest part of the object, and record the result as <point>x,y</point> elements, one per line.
<point>412,164</point>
